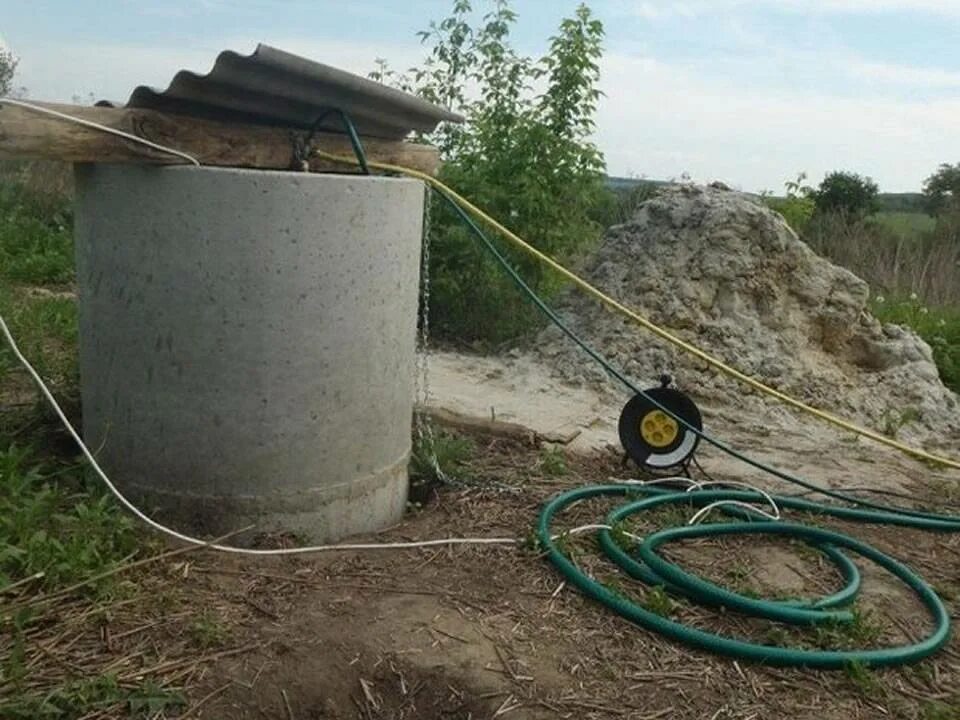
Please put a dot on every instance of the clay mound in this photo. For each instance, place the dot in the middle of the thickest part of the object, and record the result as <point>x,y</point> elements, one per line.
<point>726,273</point>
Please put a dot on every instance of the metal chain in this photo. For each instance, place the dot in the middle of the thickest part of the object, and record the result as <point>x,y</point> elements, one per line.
<point>424,428</point>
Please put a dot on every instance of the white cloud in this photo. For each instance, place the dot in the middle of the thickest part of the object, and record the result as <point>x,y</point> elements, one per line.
<point>914,77</point>
<point>661,121</point>
<point>655,9</point>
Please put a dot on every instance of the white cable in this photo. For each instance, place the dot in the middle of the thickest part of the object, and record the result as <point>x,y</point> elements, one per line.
<point>195,541</point>
<point>587,528</point>
<point>694,484</point>
<point>732,483</point>
<point>704,511</point>
<point>98,126</point>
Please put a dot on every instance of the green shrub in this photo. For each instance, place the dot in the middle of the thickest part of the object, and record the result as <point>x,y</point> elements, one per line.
<point>523,157</point>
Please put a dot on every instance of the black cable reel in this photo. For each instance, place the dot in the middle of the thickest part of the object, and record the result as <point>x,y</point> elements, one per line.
<point>654,439</point>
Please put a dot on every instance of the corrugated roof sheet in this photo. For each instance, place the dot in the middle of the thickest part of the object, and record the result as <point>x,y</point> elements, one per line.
<point>277,88</point>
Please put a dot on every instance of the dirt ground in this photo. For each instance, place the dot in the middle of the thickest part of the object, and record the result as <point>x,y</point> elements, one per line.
<point>471,632</point>
<point>488,632</point>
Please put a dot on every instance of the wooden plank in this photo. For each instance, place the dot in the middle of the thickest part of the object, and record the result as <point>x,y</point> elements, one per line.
<point>497,428</point>
<point>25,133</point>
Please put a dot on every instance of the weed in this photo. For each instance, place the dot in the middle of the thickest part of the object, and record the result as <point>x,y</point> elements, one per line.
<point>531,542</point>
<point>91,696</point>
<point>940,710</point>
<point>861,631</point>
<point>669,516</point>
<point>53,528</point>
<point>553,461</point>
<point>739,572</point>
<point>894,420</point>
<point>658,602</point>
<point>151,700</point>
<point>863,679</point>
<point>623,537</point>
<point>564,545</point>
<point>436,454</point>
<point>208,631</point>
<point>778,637</point>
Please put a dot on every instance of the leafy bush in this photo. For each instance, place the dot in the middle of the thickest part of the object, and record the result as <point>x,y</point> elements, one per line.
<point>523,156</point>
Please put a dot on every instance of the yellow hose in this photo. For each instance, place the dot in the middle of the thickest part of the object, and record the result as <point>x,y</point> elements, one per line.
<point>643,322</point>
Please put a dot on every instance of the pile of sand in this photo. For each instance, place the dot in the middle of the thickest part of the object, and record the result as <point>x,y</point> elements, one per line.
<point>721,270</point>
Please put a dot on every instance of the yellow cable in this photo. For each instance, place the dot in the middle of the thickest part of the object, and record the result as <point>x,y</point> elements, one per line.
<point>643,322</point>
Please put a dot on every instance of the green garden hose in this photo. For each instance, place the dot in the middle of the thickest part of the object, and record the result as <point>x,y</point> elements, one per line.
<point>700,591</point>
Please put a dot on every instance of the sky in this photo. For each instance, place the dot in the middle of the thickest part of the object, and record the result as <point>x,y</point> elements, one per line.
<point>749,92</point>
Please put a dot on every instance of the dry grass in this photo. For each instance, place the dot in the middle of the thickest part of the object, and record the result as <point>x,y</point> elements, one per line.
<point>891,262</point>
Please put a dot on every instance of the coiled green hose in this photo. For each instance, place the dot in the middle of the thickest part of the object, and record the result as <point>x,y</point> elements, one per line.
<point>698,590</point>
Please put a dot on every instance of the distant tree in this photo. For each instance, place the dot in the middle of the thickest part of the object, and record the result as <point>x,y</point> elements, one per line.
<point>942,189</point>
<point>8,67</point>
<point>848,193</point>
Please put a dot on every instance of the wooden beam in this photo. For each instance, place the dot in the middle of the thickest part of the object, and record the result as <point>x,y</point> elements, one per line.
<point>497,428</point>
<point>25,133</point>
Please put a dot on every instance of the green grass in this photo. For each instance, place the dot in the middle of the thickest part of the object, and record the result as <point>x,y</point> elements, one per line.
<point>863,679</point>
<point>36,246</point>
<point>939,327</point>
<point>436,455</point>
<point>658,602</point>
<point>908,225</point>
<point>553,462</point>
<point>52,523</point>
<point>940,711</point>
<point>45,328</point>
<point>57,529</point>
<point>78,698</point>
<point>208,631</point>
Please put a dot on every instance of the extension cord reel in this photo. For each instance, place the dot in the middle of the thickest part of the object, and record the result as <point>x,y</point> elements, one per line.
<point>654,439</point>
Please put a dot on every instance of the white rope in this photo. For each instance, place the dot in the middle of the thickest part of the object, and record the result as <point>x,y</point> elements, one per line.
<point>98,126</point>
<point>693,484</point>
<point>697,485</point>
<point>196,541</point>
<point>732,483</point>
<point>702,513</point>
